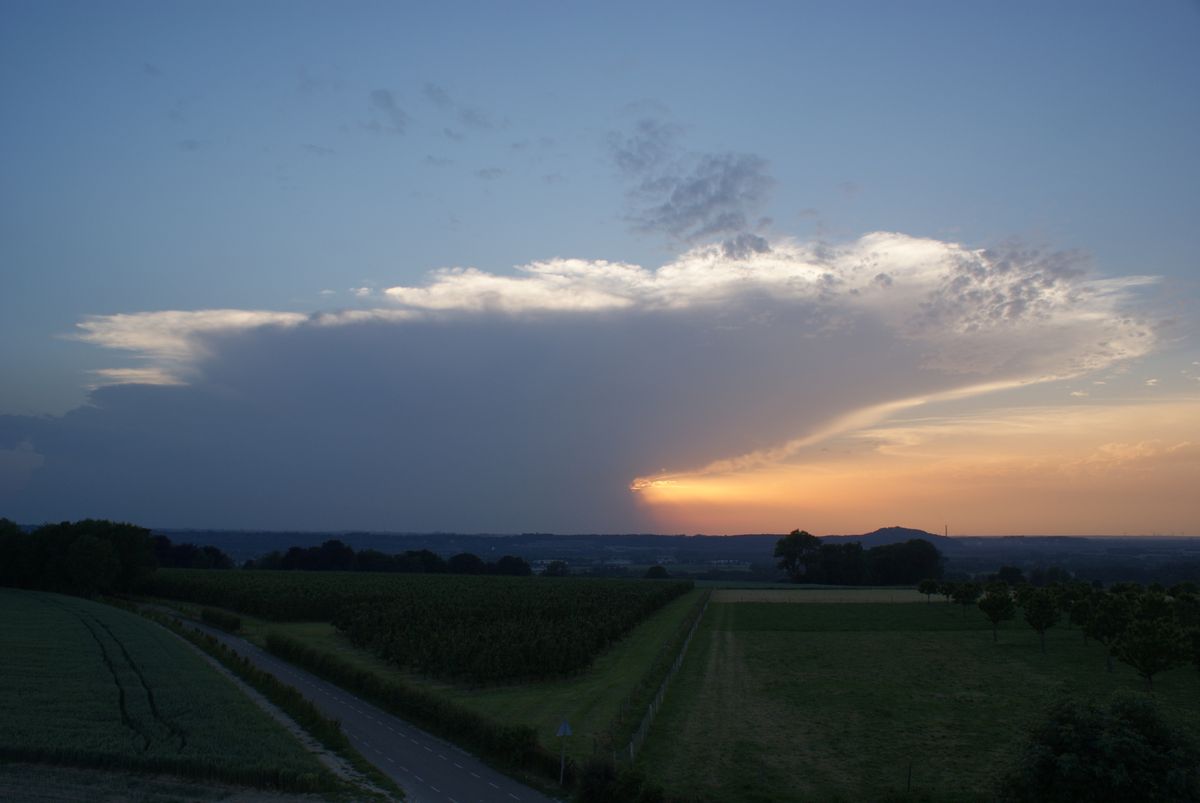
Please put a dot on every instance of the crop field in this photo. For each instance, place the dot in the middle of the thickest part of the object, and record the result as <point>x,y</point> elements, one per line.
<point>591,700</point>
<point>842,701</point>
<point>90,685</point>
<point>817,595</point>
<point>471,629</point>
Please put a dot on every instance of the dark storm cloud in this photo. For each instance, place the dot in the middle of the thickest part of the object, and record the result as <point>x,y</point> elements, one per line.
<point>480,423</point>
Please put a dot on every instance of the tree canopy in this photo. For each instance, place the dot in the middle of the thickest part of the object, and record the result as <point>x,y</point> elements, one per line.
<point>1108,755</point>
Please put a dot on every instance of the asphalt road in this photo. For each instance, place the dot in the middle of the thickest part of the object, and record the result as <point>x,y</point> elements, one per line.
<point>426,767</point>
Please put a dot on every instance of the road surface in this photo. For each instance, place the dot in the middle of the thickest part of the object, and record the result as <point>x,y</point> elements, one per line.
<point>429,769</point>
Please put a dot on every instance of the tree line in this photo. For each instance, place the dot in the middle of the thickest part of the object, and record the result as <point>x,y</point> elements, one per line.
<point>804,559</point>
<point>336,556</point>
<point>93,556</point>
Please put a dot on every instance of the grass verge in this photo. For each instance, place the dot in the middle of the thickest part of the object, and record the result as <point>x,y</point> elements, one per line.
<point>325,730</point>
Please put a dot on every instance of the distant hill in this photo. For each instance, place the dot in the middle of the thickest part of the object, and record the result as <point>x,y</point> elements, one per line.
<point>895,535</point>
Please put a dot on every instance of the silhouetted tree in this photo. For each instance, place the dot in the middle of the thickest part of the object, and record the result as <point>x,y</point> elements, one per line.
<point>904,563</point>
<point>556,568</point>
<point>965,594</point>
<point>1011,575</point>
<point>91,566</point>
<point>373,560</point>
<point>841,564</point>
<point>656,573</point>
<point>466,563</point>
<point>84,557</point>
<point>1111,614</point>
<point>512,565</point>
<point>928,588</point>
<point>1151,646</point>
<point>795,552</point>
<point>997,605</point>
<point>1041,613</point>
<point>1122,753</point>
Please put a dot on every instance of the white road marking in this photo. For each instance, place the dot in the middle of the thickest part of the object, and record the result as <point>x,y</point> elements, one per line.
<point>493,785</point>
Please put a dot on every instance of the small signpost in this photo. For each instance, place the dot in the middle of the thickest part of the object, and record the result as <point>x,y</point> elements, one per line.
<point>564,730</point>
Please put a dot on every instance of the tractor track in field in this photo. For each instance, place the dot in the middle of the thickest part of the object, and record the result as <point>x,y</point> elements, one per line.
<point>171,728</point>
<point>126,719</point>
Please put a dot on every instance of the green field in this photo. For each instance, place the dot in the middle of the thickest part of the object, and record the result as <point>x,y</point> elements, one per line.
<point>90,685</point>
<point>590,700</point>
<point>835,701</point>
<point>462,628</point>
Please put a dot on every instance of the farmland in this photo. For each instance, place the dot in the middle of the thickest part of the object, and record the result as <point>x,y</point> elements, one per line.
<point>476,630</point>
<point>837,700</point>
<point>89,685</point>
<point>603,701</point>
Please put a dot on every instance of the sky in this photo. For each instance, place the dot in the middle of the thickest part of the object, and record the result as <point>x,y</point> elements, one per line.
<point>621,267</point>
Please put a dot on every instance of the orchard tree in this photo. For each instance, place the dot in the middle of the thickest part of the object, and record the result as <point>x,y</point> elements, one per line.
<point>1121,753</point>
<point>946,588</point>
<point>928,588</point>
<point>1111,614</point>
<point>1081,613</point>
<point>1151,646</point>
<point>997,605</point>
<point>1041,613</point>
<point>965,595</point>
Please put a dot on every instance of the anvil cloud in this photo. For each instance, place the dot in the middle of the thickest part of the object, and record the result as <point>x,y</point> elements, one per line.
<point>533,401</point>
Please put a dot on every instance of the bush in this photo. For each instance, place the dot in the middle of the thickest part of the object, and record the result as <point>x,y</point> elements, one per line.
<point>221,619</point>
<point>1115,754</point>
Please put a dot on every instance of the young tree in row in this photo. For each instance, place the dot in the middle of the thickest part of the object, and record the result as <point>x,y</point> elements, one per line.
<point>1111,613</point>
<point>1041,613</point>
<point>1151,646</point>
<point>997,605</point>
<point>928,588</point>
<point>965,595</point>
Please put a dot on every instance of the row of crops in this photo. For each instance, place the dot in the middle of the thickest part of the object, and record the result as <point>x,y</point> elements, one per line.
<point>464,628</point>
<point>89,685</point>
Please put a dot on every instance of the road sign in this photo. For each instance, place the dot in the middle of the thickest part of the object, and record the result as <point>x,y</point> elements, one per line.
<point>564,729</point>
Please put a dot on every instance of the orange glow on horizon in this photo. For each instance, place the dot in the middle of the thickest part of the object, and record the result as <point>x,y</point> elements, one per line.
<point>1117,469</point>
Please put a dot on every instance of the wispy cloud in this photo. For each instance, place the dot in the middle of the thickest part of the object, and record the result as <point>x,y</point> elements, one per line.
<point>387,115</point>
<point>468,116</point>
<point>688,196</point>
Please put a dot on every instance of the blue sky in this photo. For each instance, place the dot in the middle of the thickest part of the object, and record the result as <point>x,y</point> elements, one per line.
<point>306,157</point>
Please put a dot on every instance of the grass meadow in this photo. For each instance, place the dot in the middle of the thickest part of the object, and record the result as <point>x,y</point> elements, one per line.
<point>836,700</point>
<point>90,685</point>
